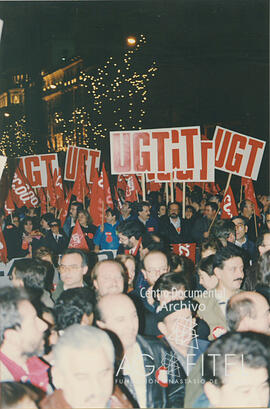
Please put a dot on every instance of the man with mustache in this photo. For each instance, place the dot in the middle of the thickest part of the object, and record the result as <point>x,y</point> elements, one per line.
<point>229,269</point>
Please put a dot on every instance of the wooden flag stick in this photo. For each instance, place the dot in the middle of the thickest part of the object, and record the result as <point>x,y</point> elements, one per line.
<point>47,202</point>
<point>255,222</point>
<point>167,193</point>
<point>58,217</point>
<point>143,187</point>
<point>83,199</point>
<point>184,201</point>
<point>241,193</point>
<point>225,191</point>
<point>102,222</point>
<point>171,185</point>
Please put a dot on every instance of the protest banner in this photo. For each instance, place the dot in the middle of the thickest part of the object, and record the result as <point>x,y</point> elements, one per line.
<point>155,150</point>
<point>205,173</point>
<point>36,168</point>
<point>237,153</point>
<point>75,155</point>
<point>185,249</point>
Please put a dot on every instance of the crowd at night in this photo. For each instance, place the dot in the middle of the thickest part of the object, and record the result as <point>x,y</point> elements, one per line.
<point>134,204</point>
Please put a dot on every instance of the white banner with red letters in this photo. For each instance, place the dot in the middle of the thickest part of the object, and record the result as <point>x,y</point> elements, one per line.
<point>74,156</point>
<point>36,167</point>
<point>205,174</point>
<point>155,150</point>
<point>237,153</point>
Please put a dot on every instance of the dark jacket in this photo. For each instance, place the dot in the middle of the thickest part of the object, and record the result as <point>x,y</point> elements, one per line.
<point>167,230</point>
<point>155,356</point>
<point>59,246</point>
<point>200,226</point>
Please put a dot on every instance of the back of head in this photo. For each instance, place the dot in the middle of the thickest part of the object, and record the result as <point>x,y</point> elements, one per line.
<point>80,339</point>
<point>72,305</point>
<point>247,348</point>
<point>16,395</point>
<point>263,274</point>
<point>32,272</point>
<point>131,228</point>
<point>222,229</point>
<point>206,265</point>
<point>238,307</point>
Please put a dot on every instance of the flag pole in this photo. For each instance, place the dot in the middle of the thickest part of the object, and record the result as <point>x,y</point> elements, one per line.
<point>255,222</point>
<point>102,222</point>
<point>171,184</point>
<point>143,186</point>
<point>184,201</point>
<point>225,191</point>
<point>167,193</point>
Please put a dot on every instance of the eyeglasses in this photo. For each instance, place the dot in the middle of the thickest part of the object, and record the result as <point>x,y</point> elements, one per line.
<point>74,267</point>
<point>54,225</point>
<point>158,270</point>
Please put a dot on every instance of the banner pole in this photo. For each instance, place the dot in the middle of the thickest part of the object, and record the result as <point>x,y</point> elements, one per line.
<point>167,193</point>
<point>143,187</point>
<point>184,201</point>
<point>171,184</point>
<point>83,199</point>
<point>255,222</point>
<point>241,193</point>
<point>102,220</point>
<point>225,191</point>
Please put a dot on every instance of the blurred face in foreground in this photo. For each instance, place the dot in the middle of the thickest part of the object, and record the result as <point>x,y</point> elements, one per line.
<point>86,378</point>
<point>242,387</point>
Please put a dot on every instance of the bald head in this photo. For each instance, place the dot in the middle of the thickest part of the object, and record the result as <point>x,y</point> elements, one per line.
<point>117,313</point>
<point>155,264</point>
<point>248,311</point>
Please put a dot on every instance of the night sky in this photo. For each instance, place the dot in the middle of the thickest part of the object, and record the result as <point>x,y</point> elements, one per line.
<point>212,55</point>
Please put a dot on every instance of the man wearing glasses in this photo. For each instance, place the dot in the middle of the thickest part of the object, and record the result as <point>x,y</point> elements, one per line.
<point>241,229</point>
<point>72,268</point>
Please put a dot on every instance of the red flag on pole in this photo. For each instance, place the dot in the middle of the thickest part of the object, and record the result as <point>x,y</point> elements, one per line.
<point>3,247</point>
<point>80,188</point>
<point>106,187</point>
<point>178,194</point>
<point>64,211</point>
<point>121,183</point>
<point>51,189</point>
<point>96,206</point>
<point>42,199</point>
<point>228,205</point>
<point>9,204</point>
<point>133,188</point>
<point>23,194</point>
<point>153,186</point>
<point>77,239</point>
<point>58,186</point>
<point>250,193</point>
<point>119,203</point>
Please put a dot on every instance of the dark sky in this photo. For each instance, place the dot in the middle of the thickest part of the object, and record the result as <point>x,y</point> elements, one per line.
<point>212,55</point>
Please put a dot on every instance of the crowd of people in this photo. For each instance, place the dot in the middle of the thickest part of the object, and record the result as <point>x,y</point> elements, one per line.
<point>130,323</point>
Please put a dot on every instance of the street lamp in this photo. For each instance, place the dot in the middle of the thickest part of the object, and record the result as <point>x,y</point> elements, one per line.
<point>131,41</point>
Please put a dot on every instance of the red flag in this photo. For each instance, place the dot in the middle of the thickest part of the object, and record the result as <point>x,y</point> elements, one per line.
<point>64,211</point>
<point>178,194</point>
<point>58,187</point>
<point>77,239</point>
<point>51,189</point>
<point>9,204</point>
<point>80,188</point>
<point>228,206</point>
<point>96,207</point>
<point>23,194</point>
<point>42,199</point>
<point>121,183</point>
<point>250,193</point>
<point>3,247</point>
<point>185,249</point>
<point>119,203</point>
<point>133,188</point>
<point>106,187</point>
<point>153,187</point>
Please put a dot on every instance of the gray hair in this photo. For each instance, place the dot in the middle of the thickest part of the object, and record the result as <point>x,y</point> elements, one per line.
<point>79,337</point>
